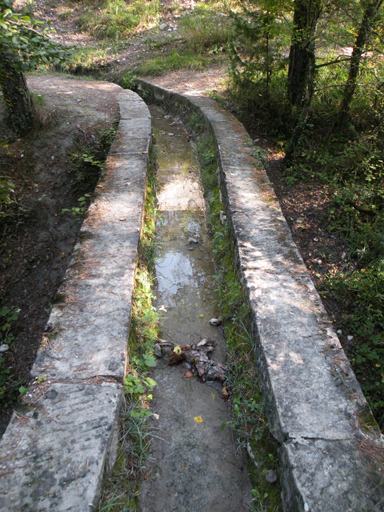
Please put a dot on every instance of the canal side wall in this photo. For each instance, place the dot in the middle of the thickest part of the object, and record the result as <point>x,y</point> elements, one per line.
<point>315,406</point>
<point>60,444</point>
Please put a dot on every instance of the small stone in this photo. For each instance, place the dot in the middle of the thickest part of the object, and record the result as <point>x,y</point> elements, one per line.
<point>4,347</point>
<point>166,350</point>
<point>157,351</point>
<point>271,476</point>
<point>163,27</point>
<point>339,331</point>
<point>349,338</point>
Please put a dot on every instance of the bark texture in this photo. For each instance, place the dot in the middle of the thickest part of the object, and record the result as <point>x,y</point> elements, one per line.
<point>302,51</point>
<point>17,98</point>
<point>370,17</point>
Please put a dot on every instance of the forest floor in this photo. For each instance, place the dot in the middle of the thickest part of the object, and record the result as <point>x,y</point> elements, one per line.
<point>36,240</point>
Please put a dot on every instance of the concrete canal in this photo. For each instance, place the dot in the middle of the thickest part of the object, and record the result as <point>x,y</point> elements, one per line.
<point>194,464</point>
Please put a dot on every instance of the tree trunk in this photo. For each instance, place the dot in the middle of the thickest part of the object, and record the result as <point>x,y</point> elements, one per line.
<point>301,72</point>
<point>302,118</point>
<point>370,16</point>
<point>17,98</point>
<point>302,51</point>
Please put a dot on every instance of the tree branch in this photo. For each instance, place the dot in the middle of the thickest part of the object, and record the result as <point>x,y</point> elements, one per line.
<point>346,59</point>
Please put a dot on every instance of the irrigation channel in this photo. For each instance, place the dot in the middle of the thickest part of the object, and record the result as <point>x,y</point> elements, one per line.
<point>194,464</point>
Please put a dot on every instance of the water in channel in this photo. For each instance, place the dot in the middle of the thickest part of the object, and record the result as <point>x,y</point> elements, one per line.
<point>194,466</point>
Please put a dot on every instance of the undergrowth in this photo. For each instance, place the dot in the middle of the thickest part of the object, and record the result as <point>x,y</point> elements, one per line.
<point>10,388</point>
<point>185,59</point>
<point>197,39</point>
<point>86,165</point>
<point>122,488</point>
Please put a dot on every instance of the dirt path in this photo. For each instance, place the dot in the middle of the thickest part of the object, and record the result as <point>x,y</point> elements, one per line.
<point>194,465</point>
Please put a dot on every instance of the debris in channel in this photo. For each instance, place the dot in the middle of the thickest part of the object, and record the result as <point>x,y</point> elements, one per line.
<point>197,356</point>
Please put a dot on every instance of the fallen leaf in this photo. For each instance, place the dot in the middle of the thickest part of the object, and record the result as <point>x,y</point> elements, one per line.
<point>122,219</point>
<point>201,316</point>
<point>189,374</point>
<point>198,419</point>
<point>177,350</point>
<point>225,393</point>
<point>185,467</point>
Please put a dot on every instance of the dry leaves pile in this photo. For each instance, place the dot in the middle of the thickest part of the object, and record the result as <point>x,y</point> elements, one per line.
<point>197,356</point>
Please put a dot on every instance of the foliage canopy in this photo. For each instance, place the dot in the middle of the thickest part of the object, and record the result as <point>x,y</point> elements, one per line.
<point>27,38</point>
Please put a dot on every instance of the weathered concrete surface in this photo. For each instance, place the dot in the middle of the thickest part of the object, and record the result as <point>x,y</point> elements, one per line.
<point>54,454</point>
<point>56,450</point>
<point>88,327</point>
<point>314,404</point>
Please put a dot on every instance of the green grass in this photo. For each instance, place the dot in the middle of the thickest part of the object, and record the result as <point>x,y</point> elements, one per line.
<point>121,491</point>
<point>116,19</point>
<point>206,29</point>
<point>200,39</point>
<point>176,60</point>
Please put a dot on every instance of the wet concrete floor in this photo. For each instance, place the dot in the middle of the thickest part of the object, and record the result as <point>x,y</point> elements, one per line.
<point>194,466</point>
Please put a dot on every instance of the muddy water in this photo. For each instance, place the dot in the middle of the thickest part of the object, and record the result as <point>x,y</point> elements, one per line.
<point>194,466</point>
